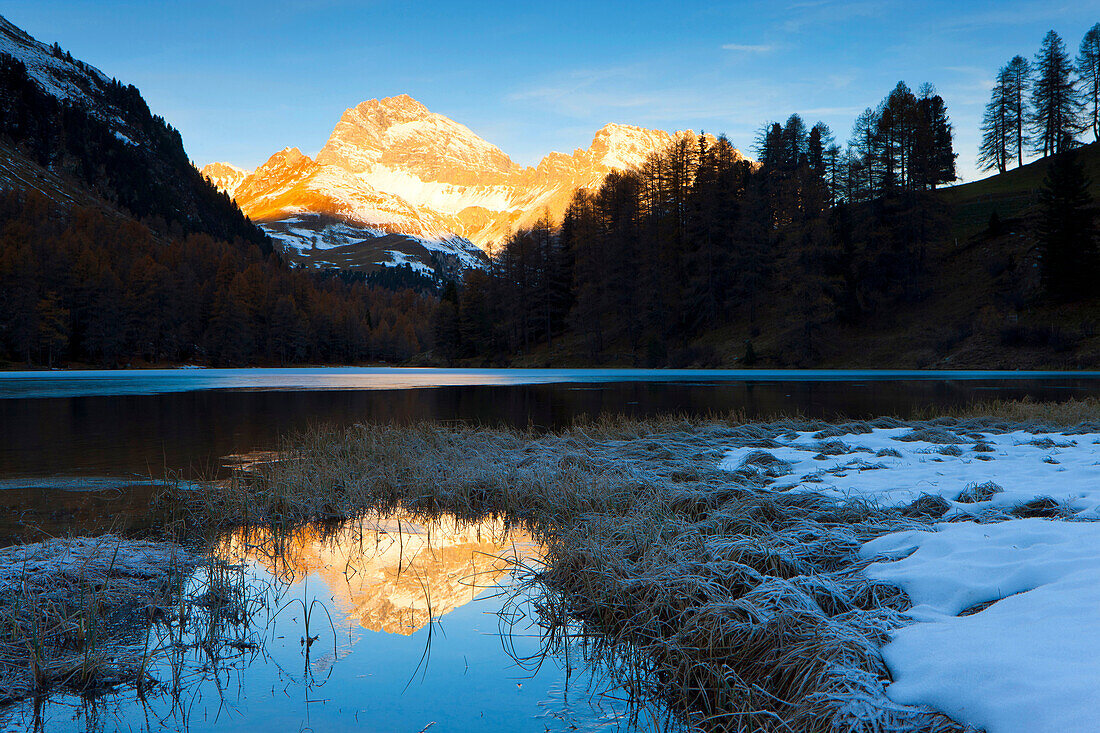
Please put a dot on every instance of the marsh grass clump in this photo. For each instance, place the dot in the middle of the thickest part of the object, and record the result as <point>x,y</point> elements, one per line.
<point>72,612</point>
<point>1043,507</point>
<point>1049,444</point>
<point>932,433</point>
<point>767,463</point>
<point>847,428</point>
<point>1077,414</point>
<point>833,448</point>
<point>976,492</point>
<point>927,506</point>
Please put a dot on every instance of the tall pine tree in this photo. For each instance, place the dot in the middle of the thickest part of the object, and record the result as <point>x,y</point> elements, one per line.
<point>1054,103</point>
<point>1088,72</point>
<point>1017,77</point>
<point>993,151</point>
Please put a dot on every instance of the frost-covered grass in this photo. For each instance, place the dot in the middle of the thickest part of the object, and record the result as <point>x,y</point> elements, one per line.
<point>69,609</point>
<point>697,564</point>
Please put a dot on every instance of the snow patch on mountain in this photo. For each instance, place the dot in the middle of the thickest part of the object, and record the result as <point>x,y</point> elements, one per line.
<point>58,77</point>
<point>399,259</point>
<point>324,241</point>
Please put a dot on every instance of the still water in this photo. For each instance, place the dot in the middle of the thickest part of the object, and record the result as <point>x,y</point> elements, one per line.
<point>411,626</point>
<point>414,627</point>
<point>150,422</point>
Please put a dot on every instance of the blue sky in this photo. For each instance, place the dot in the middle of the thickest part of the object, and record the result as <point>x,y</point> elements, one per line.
<point>242,79</point>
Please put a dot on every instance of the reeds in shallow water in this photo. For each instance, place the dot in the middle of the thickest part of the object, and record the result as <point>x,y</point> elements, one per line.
<point>739,606</point>
<point>70,611</point>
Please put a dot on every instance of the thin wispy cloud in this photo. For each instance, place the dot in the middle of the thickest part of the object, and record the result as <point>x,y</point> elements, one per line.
<point>815,15</point>
<point>747,47</point>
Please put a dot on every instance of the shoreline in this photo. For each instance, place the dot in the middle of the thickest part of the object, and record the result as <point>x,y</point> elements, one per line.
<point>679,556</point>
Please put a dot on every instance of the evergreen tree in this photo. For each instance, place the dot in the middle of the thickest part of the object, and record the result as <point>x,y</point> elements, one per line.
<point>822,150</point>
<point>862,148</point>
<point>933,152</point>
<point>996,135</point>
<point>768,146</point>
<point>1067,230</point>
<point>1055,106</point>
<point>1017,82</point>
<point>1088,74</point>
<point>448,338</point>
<point>793,144</point>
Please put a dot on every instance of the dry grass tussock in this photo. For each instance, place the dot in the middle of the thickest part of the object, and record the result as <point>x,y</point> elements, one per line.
<point>88,616</point>
<point>741,607</point>
<point>1067,414</point>
<point>71,612</point>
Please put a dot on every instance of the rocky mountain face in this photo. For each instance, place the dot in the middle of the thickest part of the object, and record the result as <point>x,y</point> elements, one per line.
<point>225,177</point>
<point>391,166</point>
<point>97,134</point>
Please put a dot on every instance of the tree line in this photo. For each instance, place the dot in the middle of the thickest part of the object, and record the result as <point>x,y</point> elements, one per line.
<point>699,236</point>
<point>86,286</point>
<point>1043,106</point>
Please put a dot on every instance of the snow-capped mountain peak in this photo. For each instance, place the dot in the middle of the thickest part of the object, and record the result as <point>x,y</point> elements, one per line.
<point>225,176</point>
<point>394,166</point>
<point>624,147</point>
<point>399,134</point>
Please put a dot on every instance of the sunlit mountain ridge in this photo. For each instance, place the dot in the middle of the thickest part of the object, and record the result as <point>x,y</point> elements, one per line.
<point>391,166</point>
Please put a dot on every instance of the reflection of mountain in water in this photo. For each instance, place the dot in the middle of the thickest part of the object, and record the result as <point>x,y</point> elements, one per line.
<point>395,574</point>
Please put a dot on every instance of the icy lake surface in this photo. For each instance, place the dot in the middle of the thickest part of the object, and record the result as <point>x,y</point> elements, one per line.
<point>149,422</point>
<point>158,381</point>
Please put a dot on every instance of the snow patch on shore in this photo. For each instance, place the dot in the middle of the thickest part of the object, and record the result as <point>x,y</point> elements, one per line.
<point>885,468</point>
<point>1030,662</point>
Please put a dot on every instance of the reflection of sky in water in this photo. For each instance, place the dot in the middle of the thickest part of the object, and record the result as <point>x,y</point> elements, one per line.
<point>363,679</point>
<point>154,381</point>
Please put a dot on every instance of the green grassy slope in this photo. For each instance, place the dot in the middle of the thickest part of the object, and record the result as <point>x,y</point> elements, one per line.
<point>1011,194</point>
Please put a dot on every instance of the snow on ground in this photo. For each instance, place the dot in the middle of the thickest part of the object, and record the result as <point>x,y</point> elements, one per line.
<point>1005,631</point>
<point>1028,663</point>
<point>885,469</point>
<point>400,258</point>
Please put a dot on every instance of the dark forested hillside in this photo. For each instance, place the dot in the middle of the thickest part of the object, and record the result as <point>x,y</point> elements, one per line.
<point>82,285</point>
<point>114,250</point>
<point>67,117</point>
